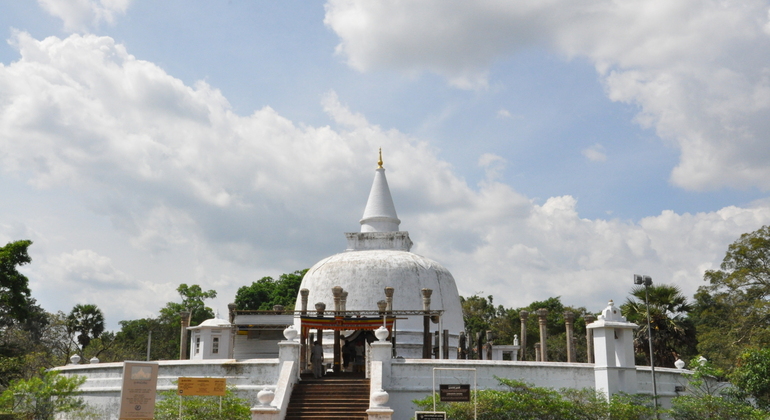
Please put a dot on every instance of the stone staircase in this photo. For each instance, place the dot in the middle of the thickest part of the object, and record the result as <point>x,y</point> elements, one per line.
<point>340,397</point>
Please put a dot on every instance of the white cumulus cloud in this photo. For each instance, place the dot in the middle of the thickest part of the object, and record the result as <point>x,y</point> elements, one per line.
<point>80,15</point>
<point>697,70</point>
<point>192,192</point>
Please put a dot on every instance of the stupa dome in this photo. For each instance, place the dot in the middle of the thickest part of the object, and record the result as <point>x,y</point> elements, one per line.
<point>378,257</point>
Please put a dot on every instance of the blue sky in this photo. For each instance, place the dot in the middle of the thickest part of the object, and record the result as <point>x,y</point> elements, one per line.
<point>530,146</point>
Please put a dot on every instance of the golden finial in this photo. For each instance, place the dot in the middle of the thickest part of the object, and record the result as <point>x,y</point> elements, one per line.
<point>379,162</point>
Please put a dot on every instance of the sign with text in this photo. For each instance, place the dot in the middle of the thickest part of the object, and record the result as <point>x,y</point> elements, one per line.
<point>202,386</point>
<point>455,393</point>
<point>137,395</point>
<point>430,415</point>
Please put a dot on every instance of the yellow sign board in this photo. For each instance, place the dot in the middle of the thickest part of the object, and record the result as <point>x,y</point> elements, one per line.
<point>202,386</point>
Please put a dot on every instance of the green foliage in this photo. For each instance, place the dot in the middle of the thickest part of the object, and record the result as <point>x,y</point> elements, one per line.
<point>522,401</point>
<point>733,311</point>
<point>40,342</point>
<point>266,292</point>
<point>706,379</point>
<point>192,300</point>
<point>752,376</point>
<point>44,396</point>
<point>202,408</point>
<point>14,289</point>
<point>714,407</point>
<point>131,340</point>
<point>480,315</point>
<point>673,333</point>
<point>85,322</point>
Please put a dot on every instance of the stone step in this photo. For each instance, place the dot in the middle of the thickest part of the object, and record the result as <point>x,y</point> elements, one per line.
<point>330,397</point>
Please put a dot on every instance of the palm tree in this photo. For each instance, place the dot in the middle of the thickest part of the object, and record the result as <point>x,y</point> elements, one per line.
<point>673,333</point>
<point>87,321</point>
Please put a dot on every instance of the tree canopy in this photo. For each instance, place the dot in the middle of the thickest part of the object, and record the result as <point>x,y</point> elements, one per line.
<point>192,300</point>
<point>85,322</point>
<point>732,312</point>
<point>14,289</point>
<point>673,332</point>
<point>266,292</point>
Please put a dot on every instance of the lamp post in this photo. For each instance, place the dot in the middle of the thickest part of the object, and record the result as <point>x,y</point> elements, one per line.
<point>647,282</point>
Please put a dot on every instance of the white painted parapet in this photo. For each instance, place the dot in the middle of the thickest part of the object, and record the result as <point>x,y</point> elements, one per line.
<point>614,366</point>
<point>274,407</point>
<point>379,377</point>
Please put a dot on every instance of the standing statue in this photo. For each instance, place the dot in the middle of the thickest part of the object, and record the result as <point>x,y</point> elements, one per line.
<point>317,358</point>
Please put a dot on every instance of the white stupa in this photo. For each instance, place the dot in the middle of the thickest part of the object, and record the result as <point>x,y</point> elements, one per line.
<point>378,257</point>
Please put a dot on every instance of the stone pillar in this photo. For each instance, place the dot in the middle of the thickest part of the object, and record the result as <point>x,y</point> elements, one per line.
<point>389,299</point>
<point>462,346</point>
<point>445,344</point>
<point>426,323</point>
<point>614,370</point>
<point>542,313</point>
<point>523,315</point>
<point>320,307</point>
<point>589,318</point>
<point>569,318</point>
<point>303,295</point>
<point>537,352</point>
<point>231,308</point>
<point>490,337</point>
<point>344,302</point>
<point>479,346</point>
<point>337,292</point>
<point>185,322</point>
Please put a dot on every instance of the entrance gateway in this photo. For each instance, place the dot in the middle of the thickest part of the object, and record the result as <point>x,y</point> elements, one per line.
<point>358,321</point>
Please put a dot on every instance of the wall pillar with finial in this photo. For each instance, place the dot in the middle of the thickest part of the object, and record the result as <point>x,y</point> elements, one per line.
<point>614,369</point>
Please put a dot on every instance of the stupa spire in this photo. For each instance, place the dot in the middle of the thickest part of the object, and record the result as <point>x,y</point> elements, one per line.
<point>380,213</point>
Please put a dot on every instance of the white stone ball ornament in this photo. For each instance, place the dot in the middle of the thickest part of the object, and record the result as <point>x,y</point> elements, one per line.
<point>379,398</point>
<point>381,333</point>
<point>265,397</point>
<point>290,333</point>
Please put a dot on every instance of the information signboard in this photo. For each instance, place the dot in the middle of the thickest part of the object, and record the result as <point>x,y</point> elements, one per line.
<point>202,386</point>
<point>430,415</point>
<point>137,395</point>
<point>455,393</point>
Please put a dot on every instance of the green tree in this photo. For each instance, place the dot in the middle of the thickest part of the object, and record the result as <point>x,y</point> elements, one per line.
<point>85,323</point>
<point>266,292</point>
<point>131,340</point>
<point>673,333</point>
<point>14,289</point>
<point>752,376</point>
<point>556,341</point>
<point>44,396</point>
<point>519,400</point>
<point>732,312</point>
<point>202,408</point>
<point>713,407</point>
<point>192,300</point>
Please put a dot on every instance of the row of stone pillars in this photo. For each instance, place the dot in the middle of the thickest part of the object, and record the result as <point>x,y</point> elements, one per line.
<point>541,349</point>
<point>385,307</point>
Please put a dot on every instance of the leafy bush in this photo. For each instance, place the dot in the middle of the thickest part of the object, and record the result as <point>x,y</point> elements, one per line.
<point>522,401</point>
<point>715,407</point>
<point>202,408</point>
<point>752,375</point>
<point>41,398</point>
